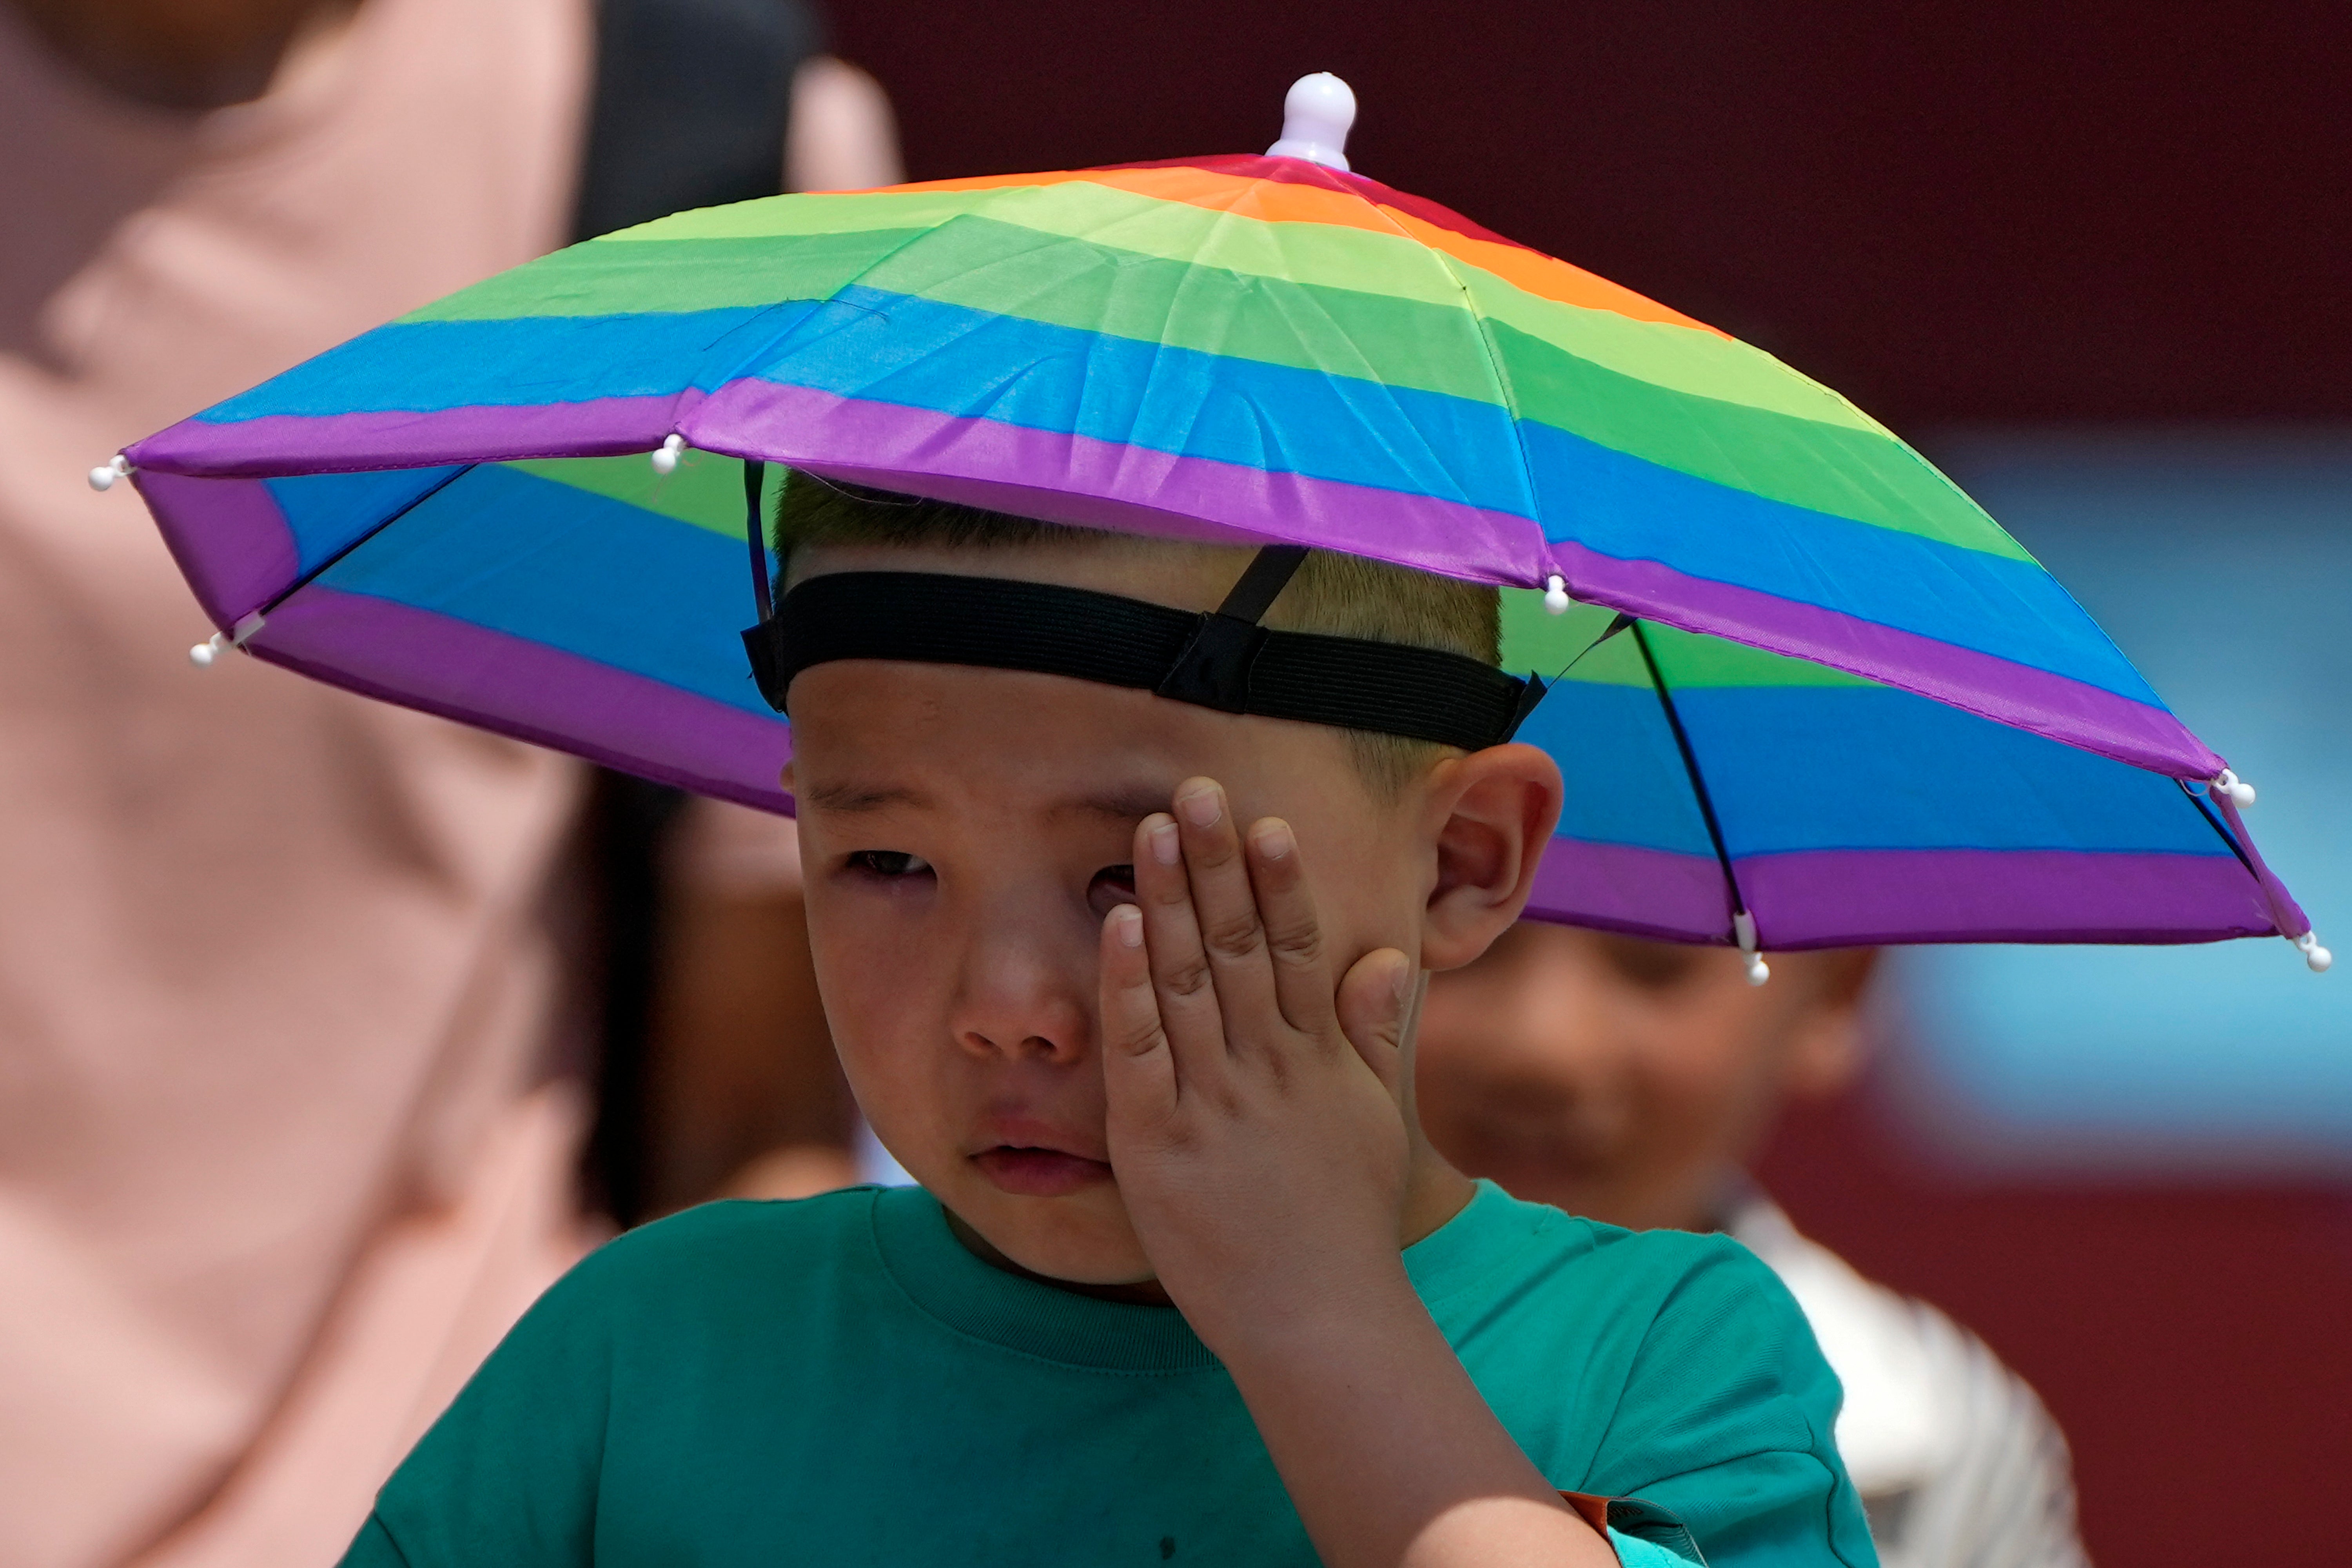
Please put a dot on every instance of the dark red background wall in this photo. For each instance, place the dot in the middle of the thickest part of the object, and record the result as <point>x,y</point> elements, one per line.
<point>2190,1335</point>
<point>2001,210</point>
<point>1998,210</point>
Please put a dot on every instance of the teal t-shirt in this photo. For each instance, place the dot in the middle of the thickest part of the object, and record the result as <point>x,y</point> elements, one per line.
<point>837,1380</point>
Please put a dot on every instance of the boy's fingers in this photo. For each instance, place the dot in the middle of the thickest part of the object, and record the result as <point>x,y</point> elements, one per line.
<point>1225,905</point>
<point>1184,993</point>
<point>1293,937</point>
<point>1138,1066</point>
<point>1375,1002</point>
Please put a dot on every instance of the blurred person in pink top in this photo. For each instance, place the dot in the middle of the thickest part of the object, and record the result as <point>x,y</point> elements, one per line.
<point>284,1147</point>
<point>1629,1081</point>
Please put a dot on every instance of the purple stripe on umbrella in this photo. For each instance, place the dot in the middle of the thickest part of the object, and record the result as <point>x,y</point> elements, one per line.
<point>1839,898</point>
<point>2033,699</point>
<point>280,444</point>
<point>441,665</point>
<point>1104,484</point>
<point>229,538</point>
<point>1640,892</point>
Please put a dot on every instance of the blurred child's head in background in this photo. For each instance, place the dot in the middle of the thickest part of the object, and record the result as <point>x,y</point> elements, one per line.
<point>1628,1081</point>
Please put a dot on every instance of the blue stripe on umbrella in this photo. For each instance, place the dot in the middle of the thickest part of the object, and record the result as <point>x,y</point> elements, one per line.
<point>1785,772</point>
<point>581,572</point>
<point>1628,508</point>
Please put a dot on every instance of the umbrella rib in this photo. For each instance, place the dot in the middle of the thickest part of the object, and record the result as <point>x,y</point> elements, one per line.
<point>329,564</point>
<point>1622,623</point>
<point>1510,404</point>
<point>755,532</point>
<point>2215,823</point>
<point>1690,766</point>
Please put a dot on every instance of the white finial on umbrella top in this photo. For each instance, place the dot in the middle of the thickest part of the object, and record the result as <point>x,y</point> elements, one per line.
<point>1317,115</point>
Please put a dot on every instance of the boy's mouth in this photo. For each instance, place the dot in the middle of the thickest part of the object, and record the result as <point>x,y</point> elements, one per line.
<point>1030,1172</point>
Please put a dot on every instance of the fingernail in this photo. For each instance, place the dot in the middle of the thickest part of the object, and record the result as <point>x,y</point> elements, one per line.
<point>1201,807</point>
<point>1164,846</point>
<point>1126,924</point>
<point>1272,839</point>
<point>1403,984</point>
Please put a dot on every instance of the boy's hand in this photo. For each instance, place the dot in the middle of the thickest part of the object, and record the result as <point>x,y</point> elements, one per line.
<point>1255,1125</point>
<point>1261,1151</point>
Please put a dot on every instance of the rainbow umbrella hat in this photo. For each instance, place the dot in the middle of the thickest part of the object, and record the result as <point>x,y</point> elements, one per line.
<point>1804,690</point>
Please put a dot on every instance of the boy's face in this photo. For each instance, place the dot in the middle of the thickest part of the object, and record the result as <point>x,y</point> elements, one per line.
<point>963,832</point>
<point>1624,1079</point>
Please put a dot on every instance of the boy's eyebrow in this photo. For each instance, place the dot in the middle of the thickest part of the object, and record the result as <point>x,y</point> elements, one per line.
<point>855,797</point>
<point>1119,805</point>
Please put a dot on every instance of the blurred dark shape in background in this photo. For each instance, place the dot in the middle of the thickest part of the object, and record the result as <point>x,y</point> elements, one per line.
<point>714,1071</point>
<point>1959,215</point>
<point>709,1044</point>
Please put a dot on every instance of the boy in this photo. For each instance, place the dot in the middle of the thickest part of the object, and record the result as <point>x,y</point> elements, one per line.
<point>1128,983</point>
<point>1629,1081</point>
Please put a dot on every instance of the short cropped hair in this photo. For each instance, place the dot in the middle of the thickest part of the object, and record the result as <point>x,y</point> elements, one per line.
<point>1334,594</point>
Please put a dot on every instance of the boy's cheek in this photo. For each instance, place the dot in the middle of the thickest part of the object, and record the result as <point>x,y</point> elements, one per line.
<point>872,1033</point>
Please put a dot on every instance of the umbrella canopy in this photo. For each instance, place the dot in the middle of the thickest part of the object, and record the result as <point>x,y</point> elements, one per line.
<point>1841,704</point>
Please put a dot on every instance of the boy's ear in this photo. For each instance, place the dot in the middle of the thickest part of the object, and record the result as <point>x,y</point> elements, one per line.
<point>1493,813</point>
<point>1830,1045</point>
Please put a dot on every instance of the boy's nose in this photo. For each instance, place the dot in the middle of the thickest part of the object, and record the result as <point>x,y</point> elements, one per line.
<point>1023,997</point>
<point>1041,1047</point>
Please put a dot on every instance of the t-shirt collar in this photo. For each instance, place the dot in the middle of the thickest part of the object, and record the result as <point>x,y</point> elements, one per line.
<point>947,1283</point>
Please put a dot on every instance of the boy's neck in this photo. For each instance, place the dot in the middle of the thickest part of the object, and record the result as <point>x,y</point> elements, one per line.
<point>1434,1193</point>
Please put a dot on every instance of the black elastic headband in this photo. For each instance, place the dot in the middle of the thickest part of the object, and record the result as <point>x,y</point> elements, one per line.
<point>1223,659</point>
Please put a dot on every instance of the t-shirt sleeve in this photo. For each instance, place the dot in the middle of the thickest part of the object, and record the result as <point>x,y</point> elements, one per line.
<point>1725,1428</point>
<point>508,1475</point>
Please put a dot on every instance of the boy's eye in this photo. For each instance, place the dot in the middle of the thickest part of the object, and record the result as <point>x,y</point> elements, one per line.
<point>1112,885</point>
<point>889,863</point>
